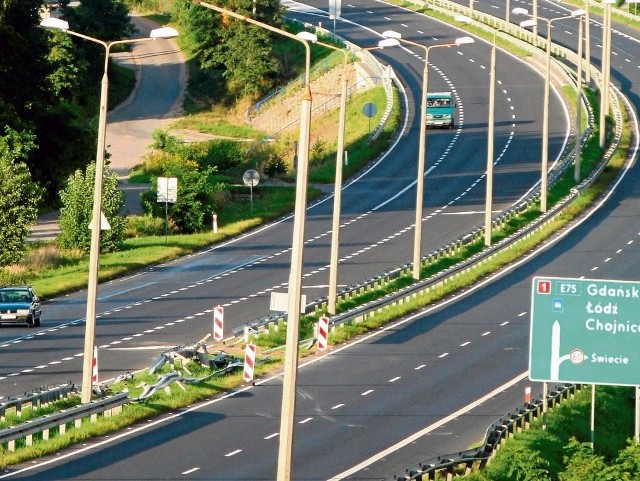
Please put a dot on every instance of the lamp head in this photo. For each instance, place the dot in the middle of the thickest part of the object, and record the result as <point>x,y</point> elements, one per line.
<point>463,19</point>
<point>388,42</point>
<point>392,34</point>
<point>464,40</point>
<point>164,32</point>
<point>55,24</point>
<point>308,36</point>
<point>528,23</point>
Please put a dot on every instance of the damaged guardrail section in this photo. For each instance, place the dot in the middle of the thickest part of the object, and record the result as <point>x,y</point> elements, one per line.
<point>42,428</point>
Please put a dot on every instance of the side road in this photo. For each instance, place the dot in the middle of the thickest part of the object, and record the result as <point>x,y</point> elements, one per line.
<point>161,75</point>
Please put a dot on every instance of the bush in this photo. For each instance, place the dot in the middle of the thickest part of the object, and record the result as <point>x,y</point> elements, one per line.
<point>274,165</point>
<point>196,198</point>
<point>77,211</point>
<point>146,225</point>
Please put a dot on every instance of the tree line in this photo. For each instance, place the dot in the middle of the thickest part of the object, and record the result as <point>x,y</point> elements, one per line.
<point>49,96</point>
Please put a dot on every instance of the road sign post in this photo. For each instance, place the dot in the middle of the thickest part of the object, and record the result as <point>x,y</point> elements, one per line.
<point>585,331</point>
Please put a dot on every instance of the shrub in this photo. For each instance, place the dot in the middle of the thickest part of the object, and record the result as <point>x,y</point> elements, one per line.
<point>77,211</point>
<point>146,225</point>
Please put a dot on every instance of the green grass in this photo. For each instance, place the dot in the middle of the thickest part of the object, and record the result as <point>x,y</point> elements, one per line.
<point>71,274</point>
<point>211,123</point>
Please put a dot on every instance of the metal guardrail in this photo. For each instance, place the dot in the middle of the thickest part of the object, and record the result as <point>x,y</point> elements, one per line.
<point>500,430</point>
<point>331,61</point>
<point>107,406</point>
<point>36,398</point>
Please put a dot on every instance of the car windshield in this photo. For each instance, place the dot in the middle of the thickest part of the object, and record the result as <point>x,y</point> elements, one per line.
<point>15,295</point>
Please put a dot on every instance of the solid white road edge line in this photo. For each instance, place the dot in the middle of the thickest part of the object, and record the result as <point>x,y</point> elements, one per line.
<point>428,429</point>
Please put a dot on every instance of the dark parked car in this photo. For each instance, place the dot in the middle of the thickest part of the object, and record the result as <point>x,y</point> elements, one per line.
<point>19,304</point>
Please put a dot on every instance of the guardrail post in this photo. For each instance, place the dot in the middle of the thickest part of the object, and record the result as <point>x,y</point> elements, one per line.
<point>468,466</point>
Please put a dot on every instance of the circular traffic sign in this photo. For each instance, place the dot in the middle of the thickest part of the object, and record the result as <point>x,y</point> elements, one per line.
<point>369,109</point>
<point>251,178</point>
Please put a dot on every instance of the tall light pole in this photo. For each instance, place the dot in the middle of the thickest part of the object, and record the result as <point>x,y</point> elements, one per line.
<point>285,450</point>
<point>587,42</point>
<point>337,190</point>
<point>606,71</point>
<point>545,119</point>
<point>94,252</point>
<point>488,202</point>
<point>337,195</point>
<point>423,138</point>
<point>578,147</point>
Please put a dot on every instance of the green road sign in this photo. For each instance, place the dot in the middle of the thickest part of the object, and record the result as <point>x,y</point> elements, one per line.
<point>585,331</point>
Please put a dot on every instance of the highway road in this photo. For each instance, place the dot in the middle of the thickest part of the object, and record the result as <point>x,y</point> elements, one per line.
<point>371,394</point>
<point>366,397</point>
<point>172,303</point>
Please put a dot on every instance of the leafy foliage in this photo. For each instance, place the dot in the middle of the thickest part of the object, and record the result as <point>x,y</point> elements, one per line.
<point>77,211</point>
<point>195,196</point>
<point>242,52</point>
<point>19,195</point>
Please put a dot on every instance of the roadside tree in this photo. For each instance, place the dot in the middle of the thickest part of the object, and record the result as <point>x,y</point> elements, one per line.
<point>242,53</point>
<point>19,195</point>
<point>77,211</point>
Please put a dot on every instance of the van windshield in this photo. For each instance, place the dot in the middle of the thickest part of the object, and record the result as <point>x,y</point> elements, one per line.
<point>438,102</point>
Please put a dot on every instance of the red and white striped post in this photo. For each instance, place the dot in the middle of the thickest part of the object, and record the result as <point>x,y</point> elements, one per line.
<point>215,223</point>
<point>323,332</point>
<point>218,323</point>
<point>249,362</point>
<point>94,366</point>
<point>527,395</point>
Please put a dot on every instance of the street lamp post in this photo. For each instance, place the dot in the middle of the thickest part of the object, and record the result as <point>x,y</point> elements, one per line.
<point>94,252</point>
<point>606,71</point>
<point>423,141</point>
<point>285,450</point>
<point>587,42</point>
<point>578,146</point>
<point>545,119</point>
<point>488,203</point>
<point>337,190</point>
